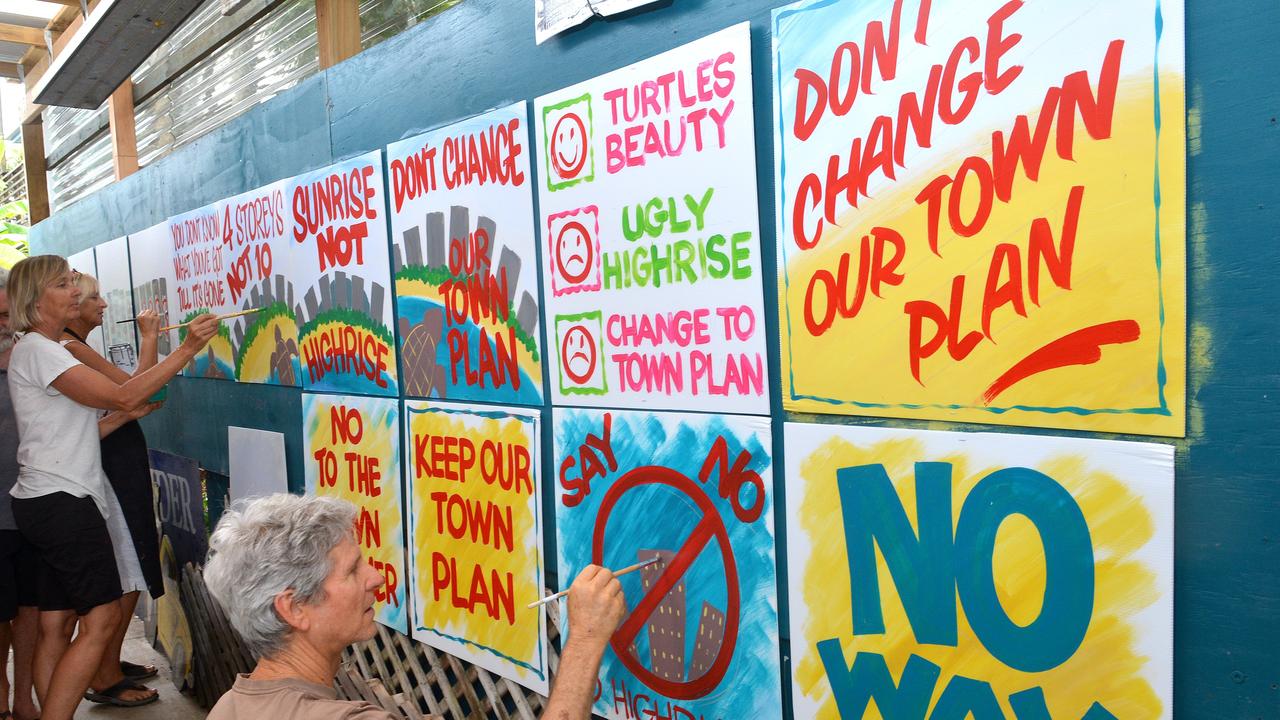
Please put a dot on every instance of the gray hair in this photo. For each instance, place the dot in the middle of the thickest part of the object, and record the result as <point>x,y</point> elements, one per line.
<point>4,278</point>
<point>265,546</point>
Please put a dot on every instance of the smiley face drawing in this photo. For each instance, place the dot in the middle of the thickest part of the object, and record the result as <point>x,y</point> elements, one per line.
<point>581,354</point>
<point>575,253</point>
<point>569,145</point>
<point>566,142</point>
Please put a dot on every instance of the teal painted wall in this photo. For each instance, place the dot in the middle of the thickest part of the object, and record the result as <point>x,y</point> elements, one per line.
<point>481,55</point>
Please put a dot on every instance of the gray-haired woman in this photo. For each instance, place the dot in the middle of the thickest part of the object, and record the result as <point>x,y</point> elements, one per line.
<point>291,578</point>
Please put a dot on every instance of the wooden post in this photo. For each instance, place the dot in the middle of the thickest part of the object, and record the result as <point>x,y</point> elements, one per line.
<point>337,30</point>
<point>33,159</point>
<point>124,139</point>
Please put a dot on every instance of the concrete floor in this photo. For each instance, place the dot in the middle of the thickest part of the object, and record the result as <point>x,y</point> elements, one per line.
<point>172,704</point>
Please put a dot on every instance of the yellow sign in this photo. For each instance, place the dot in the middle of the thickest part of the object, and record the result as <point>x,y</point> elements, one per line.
<point>981,212</point>
<point>476,536</point>
<point>939,574</point>
<point>353,452</point>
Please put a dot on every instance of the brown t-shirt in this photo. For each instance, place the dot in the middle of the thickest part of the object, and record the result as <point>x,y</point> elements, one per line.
<point>250,699</point>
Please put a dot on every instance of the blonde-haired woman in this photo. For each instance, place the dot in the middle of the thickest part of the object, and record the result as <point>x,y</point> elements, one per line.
<point>59,501</point>
<point>131,520</point>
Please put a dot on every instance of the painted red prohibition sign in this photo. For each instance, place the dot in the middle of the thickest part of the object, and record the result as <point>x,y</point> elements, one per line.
<point>710,526</point>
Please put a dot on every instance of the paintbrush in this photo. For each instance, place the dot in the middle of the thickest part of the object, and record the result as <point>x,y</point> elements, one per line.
<point>220,317</point>
<point>620,573</point>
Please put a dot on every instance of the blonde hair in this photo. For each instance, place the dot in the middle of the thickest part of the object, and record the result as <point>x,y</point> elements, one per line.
<point>27,280</point>
<point>87,283</point>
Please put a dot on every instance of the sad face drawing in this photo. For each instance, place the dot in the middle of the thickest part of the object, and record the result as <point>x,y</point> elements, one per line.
<point>574,252</point>
<point>578,354</point>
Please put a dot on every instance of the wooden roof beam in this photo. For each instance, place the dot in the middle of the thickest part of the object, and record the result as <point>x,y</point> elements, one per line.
<point>21,34</point>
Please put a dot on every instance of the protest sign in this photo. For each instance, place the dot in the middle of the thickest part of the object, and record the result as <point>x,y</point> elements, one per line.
<point>352,451</point>
<point>199,269</point>
<point>475,528</point>
<point>948,574</point>
<point>980,211</point>
<point>154,283</point>
<point>84,262</point>
<point>340,261</point>
<point>118,339</point>
<point>180,506</point>
<point>695,491</point>
<point>651,249</point>
<point>466,267</point>
<point>255,274</point>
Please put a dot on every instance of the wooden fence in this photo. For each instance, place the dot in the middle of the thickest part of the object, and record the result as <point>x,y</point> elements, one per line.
<point>390,670</point>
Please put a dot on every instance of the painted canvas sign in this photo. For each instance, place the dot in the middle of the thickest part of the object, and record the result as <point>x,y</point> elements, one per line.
<point>980,211</point>
<point>695,492</point>
<point>84,262</point>
<point>352,451</point>
<point>200,261</point>
<point>180,506</point>
<point>651,249</point>
<point>466,267</point>
<point>475,528</point>
<point>953,575</point>
<point>341,265</point>
<point>180,502</point>
<point>118,339</point>
<point>154,282</point>
<point>255,274</point>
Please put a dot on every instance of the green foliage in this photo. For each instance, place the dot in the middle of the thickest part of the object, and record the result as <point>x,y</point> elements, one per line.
<point>429,275</point>
<point>13,233</point>
<point>14,214</point>
<point>347,316</point>
<point>223,330</point>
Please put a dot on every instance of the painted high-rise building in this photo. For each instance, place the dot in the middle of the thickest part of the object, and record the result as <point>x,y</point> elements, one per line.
<point>667,623</point>
<point>706,645</point>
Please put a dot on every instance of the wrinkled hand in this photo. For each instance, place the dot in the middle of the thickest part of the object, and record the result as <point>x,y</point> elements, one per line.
<point>596,605</point>
<point>148,323</point>
<point>200,331</point>
<point>144,410</point>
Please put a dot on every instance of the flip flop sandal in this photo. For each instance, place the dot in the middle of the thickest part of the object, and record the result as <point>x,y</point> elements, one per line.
<point>134,671</point>
<point>111,695</point>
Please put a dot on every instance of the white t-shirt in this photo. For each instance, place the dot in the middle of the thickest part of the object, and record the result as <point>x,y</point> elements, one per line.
<point>58,448</point>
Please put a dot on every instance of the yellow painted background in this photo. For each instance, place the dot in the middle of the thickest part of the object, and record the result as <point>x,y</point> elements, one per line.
<point>519,641</point>
<point>381,438</point>
<point>256,366</point>
<point>865,359</point>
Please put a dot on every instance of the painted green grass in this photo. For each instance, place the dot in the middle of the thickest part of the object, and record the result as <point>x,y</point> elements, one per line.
<point>347,316</point>
<point>260,322</point>
<point>439,275</point>
<point>223,329</point>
